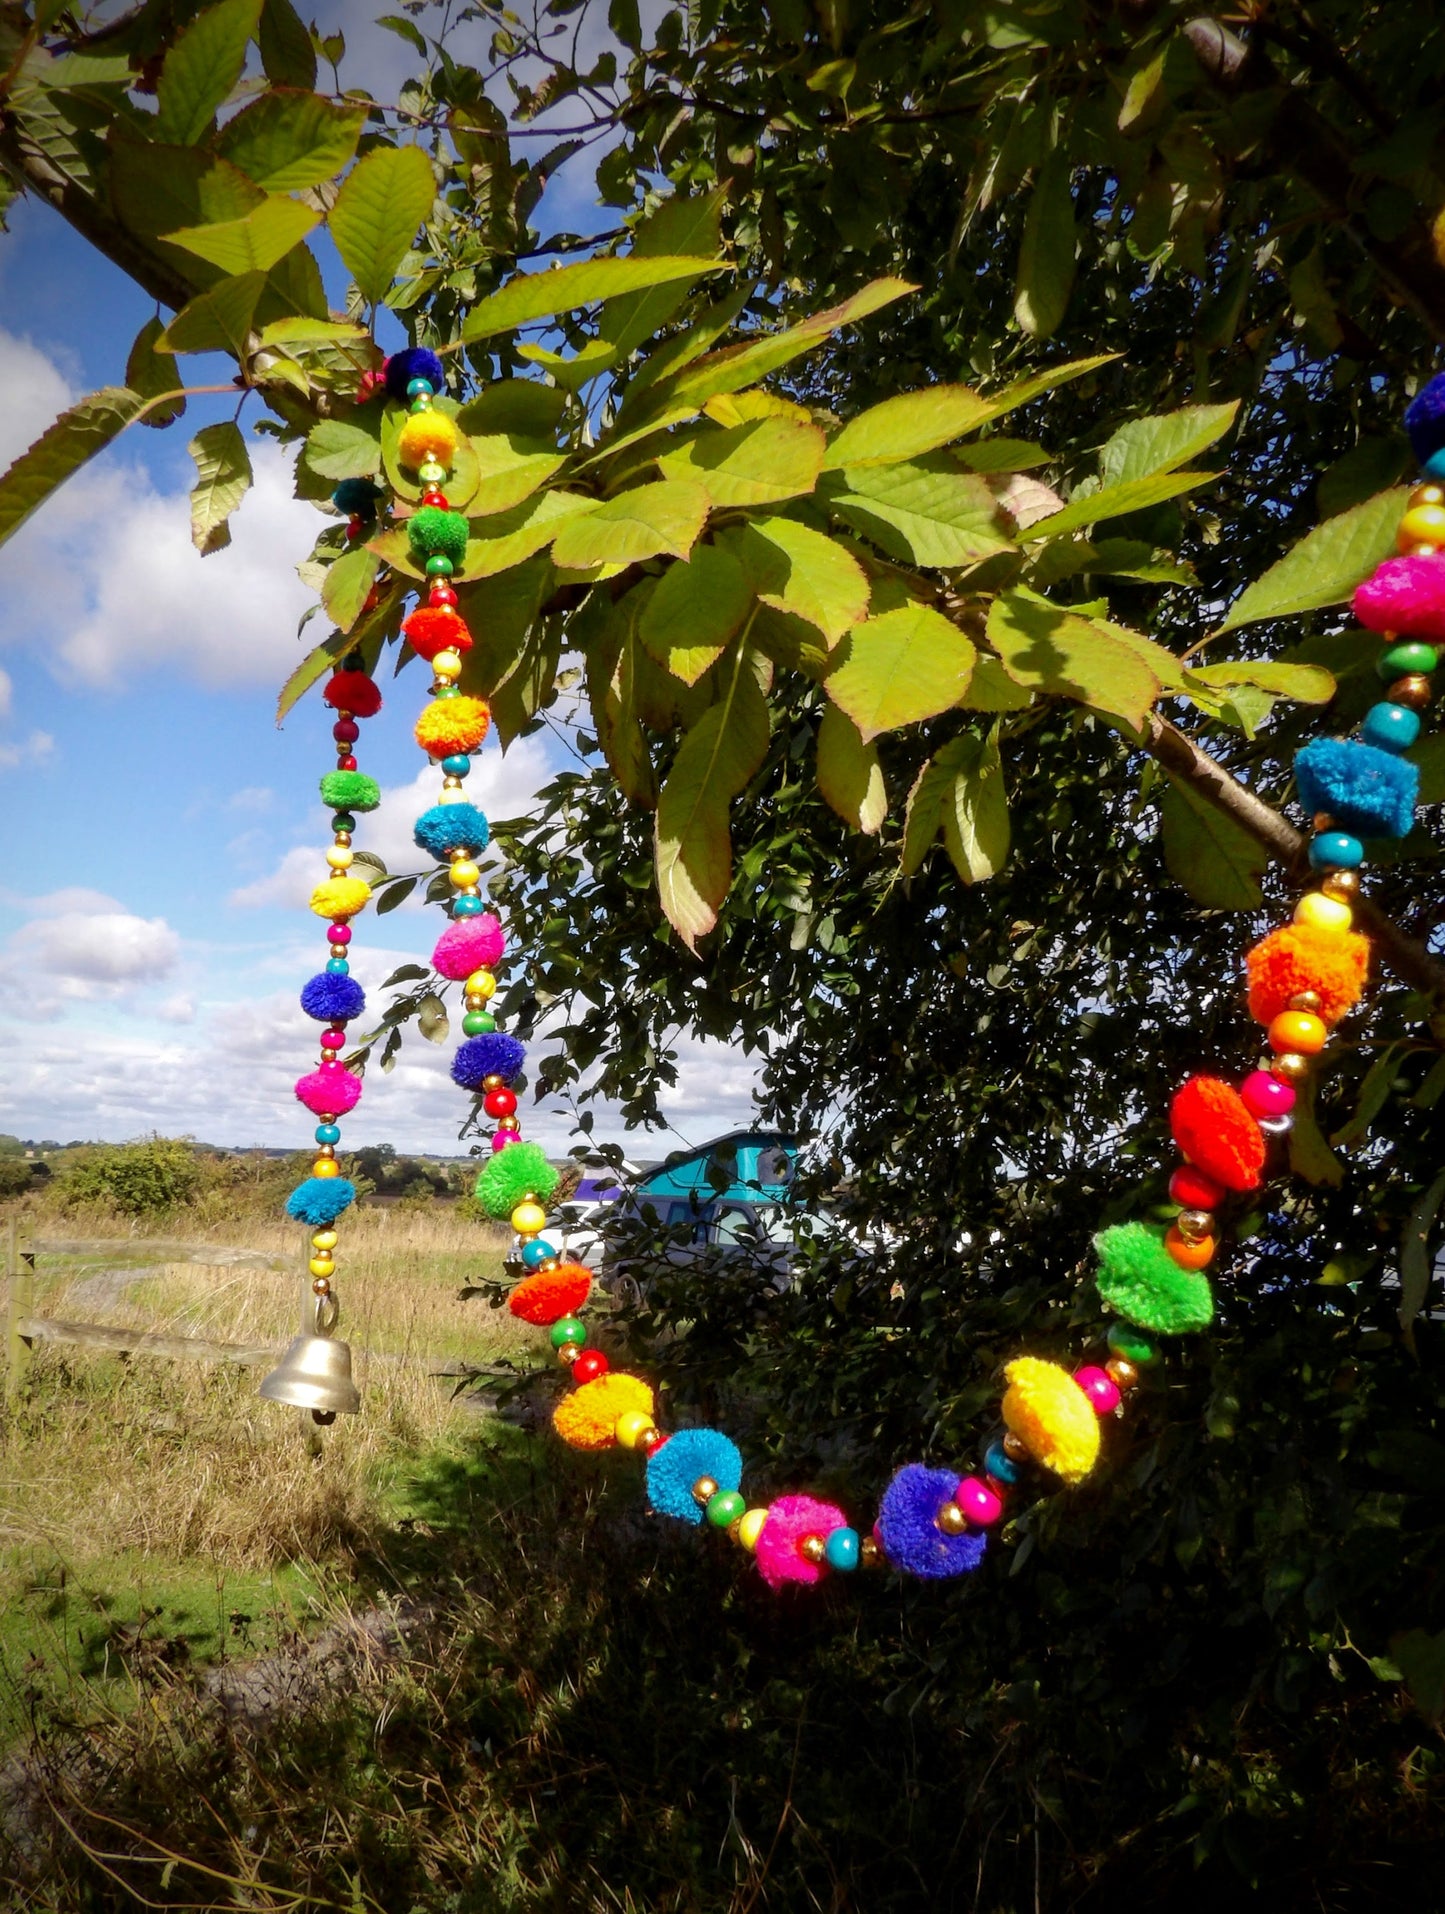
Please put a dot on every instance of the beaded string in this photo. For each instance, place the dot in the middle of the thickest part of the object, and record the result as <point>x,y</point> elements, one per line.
<point>1304,977</point>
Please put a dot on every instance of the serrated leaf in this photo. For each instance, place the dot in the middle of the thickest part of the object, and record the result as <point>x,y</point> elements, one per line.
<point>500,612</point>
<point>526,688</point>
<point>299,330</point>
<point>201,69</point>
<point>1416,1262</point>
<point>384,199</point>
<point>218,320</point>
<point>312,668</point>
<point>1306,684</point>
<point>616,695</point>
<point>899,668</point>
<point>1207,854</point>
<point>1048,251</point>
<point>923,513</point>
<point>287,57</point>
<point>908,425</point>
<point>338,449</point>
<point>523,406</point>
<point>346,585</point>
<point>1058,652</point>
<point>750,464</point>
<point>1113,501</point>
<point>150,373</point>
<point>1326,565</point>
<point>641,523</point>
<point>974,811</point>
<point>223,477</point>
<point>431,1018</point>
<point>849,774</point>
<point>252,244</point>
<point>541,295</point>
<point>76,436</point>
<point>509,470</point>
<point>698,606</point>
<point>991,688</point>
<point>923,814</point>
<point>512,536</point>
<point>289,139</point>
<point>802,573</point>
<point>1164,443</point>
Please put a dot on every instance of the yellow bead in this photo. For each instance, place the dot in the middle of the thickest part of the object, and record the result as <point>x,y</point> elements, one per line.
<point>451,792</point>
<point>750,1527</point>
<point>1298,1030</point>
<point>447,664</point>
<point>464,873</point>
<point>1421,525</point>
<point>324,1239</point>
<point>321,1266</point>
<point>528,1218</point>
<point>326,1166</point>
<point>339,857</point>
<point>632,1427</point>
<point>1322,912</point>
<point>481,984</point>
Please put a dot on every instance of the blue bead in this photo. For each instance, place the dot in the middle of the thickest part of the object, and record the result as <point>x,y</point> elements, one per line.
<point>338,966</point>
<point>456,767</point>
<point>328,1133</point>
<point>466,906</point>
<point>415,388</point>
<point>998,1464</point>
<point>1337,851</point>
<point>1435,465</point>
<point>841,1548</point>
<point>537,1251</point>
<point>1393,727</point>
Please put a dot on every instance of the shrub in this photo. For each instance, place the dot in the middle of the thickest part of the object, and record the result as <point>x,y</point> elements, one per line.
<point>14,1175</point>
<point>140,1179</point>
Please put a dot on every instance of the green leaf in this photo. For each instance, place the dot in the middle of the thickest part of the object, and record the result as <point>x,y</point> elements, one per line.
<point>923,513</point>
<point>202,68</point>
<point>1374,1094</point>
<point>395,895</point>
<point>991,689</point>
<point>616,698</point>
<point>1368,468</point>
<point>287,57</point>
<point>383,200</point>
<point>523,406</point>
<point>431,1018</point>
<point>252,244</point>
<point>223,477</point>
<point>637,524</point>
<point>849,774</point>
<point>348,580</point>
<point>803,573</point>
<point>682,227</point>
<point>923,814</point>
<point>500,612</point>
<point>975,811</point>
<point>1415,1259</point>
<point>1112,501</point>
<point>752,464</point>
<point>1047,254</point>
<point>700,604</point>
<point>1429,754</point>
<point>300,330</point>
<point>1420,1658</point>
<point>904,427</point>
<point>313,667</point>
<point>899,668</point>
<point>541,295</point>
<point>1310,1156</point>
<point>512,536</point>
<point>218,320</point>
<point>288,140</point>
<point>76,436</point>
<point>151,371</point>
<point>338,449</point>
<point>1164,443</point>
<point>716,758</point>
<point>1306,684</point>
<point>1326,565</point>
<point>509,469</point>
<point>1073,657</point>
<point>1025,391</point>
<point>709,326</point>
<point>1207,854</point>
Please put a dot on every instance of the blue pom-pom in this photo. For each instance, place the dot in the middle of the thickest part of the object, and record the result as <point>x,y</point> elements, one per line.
<point>320,1200</point>
<point>491,1055</point>
<point>909,1531</point>
<point>451,827</point>
<point>672,1470</point>
<point>413,362</point>
<point>1368,792</point>
<point>356,497</point>
<point>1425,419</point>
<point>329,998</point>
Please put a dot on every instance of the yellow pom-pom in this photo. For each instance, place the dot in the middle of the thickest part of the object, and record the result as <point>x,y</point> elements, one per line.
<point>1323,913</point>
<point>750,1527</point>
<point>427,435</point>
<point>528,1218</point>
<point>452,725</point>
<point>588,1418</point>
<point>632,1427</point>
<point>1051,1415</point>
<point>341,897</point>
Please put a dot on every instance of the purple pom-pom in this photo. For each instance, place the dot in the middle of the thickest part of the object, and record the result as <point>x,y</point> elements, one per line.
<point>413,362</point>
<point>908,1526</point>
<point>330,998</point>
<point>492,1055</point>
<point>1425,418</point>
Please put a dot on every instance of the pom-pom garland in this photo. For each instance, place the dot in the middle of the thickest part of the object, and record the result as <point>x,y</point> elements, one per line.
<point>1211,1123</point>
<point>353,691</point>
<point>330,1091</point>
<point>341,897</point>
<point>320,1200</point>
<point>1299,959</point>
<point>792,1519</point>
<point>357,498</point>
<point>513,1175</point>
<point>551,1294</point>
<point>454,827</point>
<point>588,1418</point>
<point>350,791</point>
<point>436,628</point>
<point>331,999</point>
<point>431,531</point>
<point>1139,1280</point>
<point>492,1055</point>
<point>685,1458</point>
<point>427,435</point>
<point>1052,1417</point>
<point>413,362</point>
<point>1425,419</point>
<point>454,727</point>
<point>1364,789</point>
<point>473,943</point>
<point>908,1526</point>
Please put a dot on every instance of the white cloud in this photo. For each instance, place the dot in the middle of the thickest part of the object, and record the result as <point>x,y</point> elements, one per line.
<point>96,947</point>
<point>7,693</point>
<point>253,800</point>
<point>177,1009</point>
<point>35,392</point>
<point>32,750</point>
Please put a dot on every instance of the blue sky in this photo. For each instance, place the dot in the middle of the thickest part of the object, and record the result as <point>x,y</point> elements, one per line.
<point>158,833</point>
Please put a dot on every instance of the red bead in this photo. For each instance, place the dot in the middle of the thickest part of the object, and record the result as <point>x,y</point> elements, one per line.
<point>340,933</point>
<point>371,600</point>
<point>590,1364</point>
<point>353,529</point>
<point>442,595</point>
<point>346,762</point>
<point>1191,1189</point>
<point>499,1103</point>
<point>332,1039</point>
<point>439,499</point>
<point>346,731</point>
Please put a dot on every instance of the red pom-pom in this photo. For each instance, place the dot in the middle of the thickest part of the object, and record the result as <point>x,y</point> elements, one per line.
<point>1215,1131</point>
<point>551,1294</point>
<point>430,630</point>
<point>353,691</point>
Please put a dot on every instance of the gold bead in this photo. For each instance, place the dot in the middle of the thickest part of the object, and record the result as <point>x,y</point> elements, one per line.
<point>703,1490</point>
<point>547,1265</point>
<point>1291,1067</point>
<point>1194,1225</point>
<point>1322,821</point>
<point>1016,1449</point>
<point>813,1549</point>
<point>1122,1374</point>
<point>1428,494</point>
<point>326,1150</point>
<point>508,1123</point>
<point>1342,884</point>
<point>451,784</point>
<point>568,1354</point>
<point>1306,1000</point>
<point>869,1553</point>
<point>343,837</point>
<point>951,1519</point>
<point>491,1083</point>
<point>322,1286</point>
<point>1412,691</point>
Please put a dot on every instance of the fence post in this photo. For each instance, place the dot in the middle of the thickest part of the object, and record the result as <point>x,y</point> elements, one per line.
<point>19,1303</point>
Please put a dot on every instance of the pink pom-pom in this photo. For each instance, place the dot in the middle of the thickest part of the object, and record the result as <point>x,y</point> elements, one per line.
<point>1405,596</point>
<point>1265,1096</point>
<point>329,1091</point>
<point>790,1518</point>
<point>472,943</point>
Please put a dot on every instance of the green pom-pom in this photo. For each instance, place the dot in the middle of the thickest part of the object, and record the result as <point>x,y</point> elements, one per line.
<point>1141,1281</point>
<point>434,532</point>
<point>512,1174</point>
<point>350,791</point>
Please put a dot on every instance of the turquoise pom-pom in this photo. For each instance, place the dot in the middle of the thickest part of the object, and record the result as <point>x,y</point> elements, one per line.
<point>451,827</point>
<point>682,1459</point>
<point>434,532</point>
<point>320,1200</point>
<point>1368,793</point>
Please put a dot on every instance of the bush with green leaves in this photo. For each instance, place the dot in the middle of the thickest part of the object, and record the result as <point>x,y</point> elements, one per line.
<point>144,1178</point>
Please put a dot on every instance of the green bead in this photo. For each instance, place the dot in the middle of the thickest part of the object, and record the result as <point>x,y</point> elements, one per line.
<point>477,1023</point>
<point>569,1330</point>
<point>439,566</point>
<point>1129,1343</point>
<point>444,692</point>
<point>1403,661</point>
<point>421,403</point>
<point>343,821</point>
<point>724,1508</point>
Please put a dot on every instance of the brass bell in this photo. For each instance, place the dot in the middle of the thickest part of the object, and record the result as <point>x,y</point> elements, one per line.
<point>315,1372</point>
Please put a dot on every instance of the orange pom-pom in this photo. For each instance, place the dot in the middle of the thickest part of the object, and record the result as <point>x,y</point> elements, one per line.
<point>1302,957</point>
<point>551,1294</point>
<point>434,628</point>
<point>353,691</point>
<point>587,1419</point>
<point>450,725</point>
<point>1216,1132</point>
